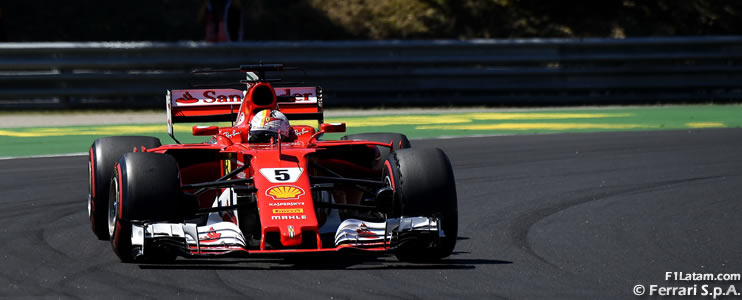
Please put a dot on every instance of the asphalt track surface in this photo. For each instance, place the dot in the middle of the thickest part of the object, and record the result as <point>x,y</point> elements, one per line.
<point>562,215</point>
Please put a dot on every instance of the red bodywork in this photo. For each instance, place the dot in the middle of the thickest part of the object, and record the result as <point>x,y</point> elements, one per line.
<point>285,207</point>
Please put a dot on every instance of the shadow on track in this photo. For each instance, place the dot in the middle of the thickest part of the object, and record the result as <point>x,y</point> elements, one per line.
<point>336,263</point>
<point>359,260</point>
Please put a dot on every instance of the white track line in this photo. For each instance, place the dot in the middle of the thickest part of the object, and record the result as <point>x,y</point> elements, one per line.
<point>443,137</point>
<point>85,153</point>
<point>45,156</point>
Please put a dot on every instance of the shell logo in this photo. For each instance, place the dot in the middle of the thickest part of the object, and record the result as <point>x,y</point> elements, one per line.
<point>285,192</point>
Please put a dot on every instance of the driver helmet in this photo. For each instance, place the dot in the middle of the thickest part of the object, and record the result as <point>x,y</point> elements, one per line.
<point>268,124</point>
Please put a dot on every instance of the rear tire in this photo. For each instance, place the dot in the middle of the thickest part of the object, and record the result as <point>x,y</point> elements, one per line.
<point>144,187</point>
<point>399,141</point>
<point>424,185</point>
<point>103,155</point>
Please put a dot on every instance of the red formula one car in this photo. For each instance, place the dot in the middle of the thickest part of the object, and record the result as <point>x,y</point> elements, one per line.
<point>289,192</point>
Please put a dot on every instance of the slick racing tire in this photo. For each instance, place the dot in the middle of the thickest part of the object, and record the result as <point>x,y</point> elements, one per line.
<point>144,187</point>
<point>424,185</point>
<point>103,154</point>
<point>399,141</point>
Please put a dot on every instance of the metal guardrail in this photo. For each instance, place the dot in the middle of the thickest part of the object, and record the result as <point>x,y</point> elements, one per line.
<point>373,73</point>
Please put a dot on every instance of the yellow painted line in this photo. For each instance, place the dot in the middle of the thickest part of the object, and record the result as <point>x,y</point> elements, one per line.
<point>535,126</point>
<point>471,117</point>
<point>17,134</point>
<point>407,120</point>
<point>705,124</point>
<point>543,116</point>
<point>433,120</point>
<point>102,130</point>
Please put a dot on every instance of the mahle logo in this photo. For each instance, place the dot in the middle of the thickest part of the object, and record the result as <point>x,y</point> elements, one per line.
<point>289,217</point>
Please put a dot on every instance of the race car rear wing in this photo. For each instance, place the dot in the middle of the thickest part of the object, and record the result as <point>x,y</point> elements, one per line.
<point>300,103</point>
<point>224,105</point>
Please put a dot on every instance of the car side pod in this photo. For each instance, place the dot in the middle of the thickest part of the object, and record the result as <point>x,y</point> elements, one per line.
<point>332,127</point>
<point>205,130</point>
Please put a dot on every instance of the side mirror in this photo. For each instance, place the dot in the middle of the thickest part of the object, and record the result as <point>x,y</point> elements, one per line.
<point>205,130</point>
<point>332,127</point>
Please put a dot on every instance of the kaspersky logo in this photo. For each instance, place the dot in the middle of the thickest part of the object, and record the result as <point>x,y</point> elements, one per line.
<point>285,192</point>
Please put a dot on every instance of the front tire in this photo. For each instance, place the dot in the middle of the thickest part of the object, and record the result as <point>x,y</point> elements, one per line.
<point>144,187</point>
<point>424,185</point>
<point>102,156</point>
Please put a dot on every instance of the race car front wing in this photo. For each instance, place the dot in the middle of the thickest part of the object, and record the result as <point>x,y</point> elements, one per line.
<point>225,237</point>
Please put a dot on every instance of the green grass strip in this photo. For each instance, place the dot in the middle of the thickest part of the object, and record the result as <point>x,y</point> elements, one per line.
<point>16,142</point>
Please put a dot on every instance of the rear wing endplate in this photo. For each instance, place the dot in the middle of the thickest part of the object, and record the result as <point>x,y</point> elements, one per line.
<point>300,103</point>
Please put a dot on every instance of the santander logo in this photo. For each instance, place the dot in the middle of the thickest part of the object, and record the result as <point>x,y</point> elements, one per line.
<point>187,98</point>
<point>207,97</point>
<point>211,236</point>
